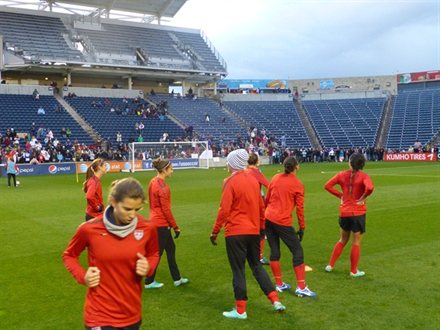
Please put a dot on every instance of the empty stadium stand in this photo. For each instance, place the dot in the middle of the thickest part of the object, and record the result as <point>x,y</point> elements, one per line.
<point>277,117</point>
<point>345,123</point>
<point>222,126</point>
<point>20,111</point>
<point>416,116</point>
<point>36,38</point>
<point>107,123</point>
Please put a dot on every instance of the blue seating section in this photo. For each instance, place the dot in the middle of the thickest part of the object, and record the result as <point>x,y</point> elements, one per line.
<point>20,111</point>
<point>277,117</point>
<point>416,116</point>
<point>39,37</point>
<point>107,123</point>
<point>222,127</point>
<point>346,123</point>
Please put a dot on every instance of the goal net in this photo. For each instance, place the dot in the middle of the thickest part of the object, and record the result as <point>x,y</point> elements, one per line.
<point>182,154</point>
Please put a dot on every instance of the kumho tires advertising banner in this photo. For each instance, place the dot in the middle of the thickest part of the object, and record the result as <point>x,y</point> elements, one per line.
<point>411,157</point>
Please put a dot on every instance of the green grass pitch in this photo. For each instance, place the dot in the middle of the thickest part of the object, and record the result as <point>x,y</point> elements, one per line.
<point>400,254</point>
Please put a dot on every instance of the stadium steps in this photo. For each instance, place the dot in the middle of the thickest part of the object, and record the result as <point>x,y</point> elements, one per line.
<point>85,126</point>
<point>385,123</point>
<point>313,137</point>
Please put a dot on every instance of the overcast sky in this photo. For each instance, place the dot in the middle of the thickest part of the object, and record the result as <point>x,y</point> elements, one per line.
<point>299,39</point>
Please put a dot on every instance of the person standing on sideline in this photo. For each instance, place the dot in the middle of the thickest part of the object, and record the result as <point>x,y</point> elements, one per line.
<point>93,188</point>
<point>159,196</point>
<point>12,169</point>
<point>253,168</point>
<point>356,186</point>
<point>241,212</point>
<point>122,248</point>
<point>286,193</point>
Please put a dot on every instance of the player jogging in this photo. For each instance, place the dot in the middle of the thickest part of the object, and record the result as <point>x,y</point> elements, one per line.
<point>241,212</point>
<point>253,168</point>
<point>356,186</point>
<point>12,169</point>
<point>159,196</point>
<point>122,247</point>
<point>93,189</point>
<point>286,192</point>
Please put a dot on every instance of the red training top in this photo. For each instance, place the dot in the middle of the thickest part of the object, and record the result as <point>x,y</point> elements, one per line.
<point>285,193</point>
<point>116,301</point>
<point>241,207</point>
<point>95,204</point>
<point>259,176</point>
<point>361,186</point>
<point>160,204</point>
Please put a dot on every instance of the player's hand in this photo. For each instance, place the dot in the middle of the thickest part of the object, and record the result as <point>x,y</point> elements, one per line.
<point>213,239</point>
<point>176,232</point>
<point>300,234</point>
<point>142,265</point>
<point>360,202</point>
<point>92,277</point>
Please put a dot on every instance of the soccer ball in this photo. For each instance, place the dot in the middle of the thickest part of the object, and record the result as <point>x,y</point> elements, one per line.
<point>18,183</point>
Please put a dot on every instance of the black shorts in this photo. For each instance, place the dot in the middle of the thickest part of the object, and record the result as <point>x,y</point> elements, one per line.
<point>135,326</point>
<point>355,224</point>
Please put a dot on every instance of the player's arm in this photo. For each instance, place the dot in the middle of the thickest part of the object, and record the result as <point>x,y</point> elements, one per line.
<point>368,184</point>
<point>224,209</point>
<point>71,255</point>
<point>165,203</point>
<point>330,186</point>
<point>152,250</point>
<point>299,202</point>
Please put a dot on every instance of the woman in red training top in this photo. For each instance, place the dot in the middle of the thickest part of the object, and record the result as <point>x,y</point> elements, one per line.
<point>122,247</point>
<point>253,164</point>
<point>161,216</point>
<point>93,189</point>
<point>242,213</point>
<point>286,192</point>
<point>356,186</point>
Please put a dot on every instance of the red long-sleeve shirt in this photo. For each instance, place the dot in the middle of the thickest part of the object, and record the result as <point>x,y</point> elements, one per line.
<point>160,204</point>
<point>259,176</point>
<point>361,186</point>
<point>241,207</point>
<point>95,204</point>
<point>285,193</point>
<point>116,301</point>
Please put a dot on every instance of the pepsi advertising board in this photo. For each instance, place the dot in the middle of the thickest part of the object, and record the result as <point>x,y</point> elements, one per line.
<point>44,169</point>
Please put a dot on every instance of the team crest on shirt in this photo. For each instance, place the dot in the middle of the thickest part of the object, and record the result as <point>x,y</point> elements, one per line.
<point>138,234</point>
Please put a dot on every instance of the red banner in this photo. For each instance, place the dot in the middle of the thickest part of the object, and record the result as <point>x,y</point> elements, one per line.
<point>406,78</point>
<point>410,157</point>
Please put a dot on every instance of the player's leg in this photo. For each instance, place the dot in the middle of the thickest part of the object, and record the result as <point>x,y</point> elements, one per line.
<point>345,228</point>
<point>275,254</point>
<point>358,229</point>
<point>162,234</point>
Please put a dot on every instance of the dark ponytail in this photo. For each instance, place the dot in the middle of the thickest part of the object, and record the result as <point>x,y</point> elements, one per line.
<point>357,163</point>
<point>160,164</point>
<point>290,164</point>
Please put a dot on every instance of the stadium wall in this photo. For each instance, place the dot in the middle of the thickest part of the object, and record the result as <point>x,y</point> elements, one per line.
<point>257,97</point>
<point>343,95</point>
<point>24,89</point>
<point>103,92</point>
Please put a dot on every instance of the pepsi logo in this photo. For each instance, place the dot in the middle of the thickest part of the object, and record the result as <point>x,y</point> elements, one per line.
<point>53,169</point>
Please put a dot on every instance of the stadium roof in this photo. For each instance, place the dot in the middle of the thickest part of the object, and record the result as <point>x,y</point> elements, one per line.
<point>145,10</point>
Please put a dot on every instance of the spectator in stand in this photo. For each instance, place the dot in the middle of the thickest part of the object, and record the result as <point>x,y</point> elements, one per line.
<point>116,262</point>
<point>35,94</point>
<point>242,213</point>
<point>41,111</point>
<point>93,189</point>
<point>68,132</point>
<point>417,146</point>
<point>356,186</point>
<point>207,118</point>
<point>119,137</point>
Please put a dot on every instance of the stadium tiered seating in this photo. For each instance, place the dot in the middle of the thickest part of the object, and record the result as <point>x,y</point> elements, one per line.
<point>37,37</point>
<point>416,116</point>
<point>221,126</point>
<point>107,123</point>
<point>346,123</point>
<point>20,111</point>
<point>155,42</point>
<point>277,117</point>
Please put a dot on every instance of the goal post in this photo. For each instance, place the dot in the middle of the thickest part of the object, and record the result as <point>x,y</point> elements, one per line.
<point>182,154</point>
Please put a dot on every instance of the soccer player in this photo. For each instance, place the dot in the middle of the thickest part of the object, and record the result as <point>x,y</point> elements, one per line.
<point>253,164</point>
<point>241,212</point>
<point>93,189</point>
<point>122,247</point>
<point>159,196</point>
<point>286,192</point>
<point>356,186</point>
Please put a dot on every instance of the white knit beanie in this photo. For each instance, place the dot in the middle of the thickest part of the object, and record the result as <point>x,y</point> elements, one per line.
<point>237,159</point>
